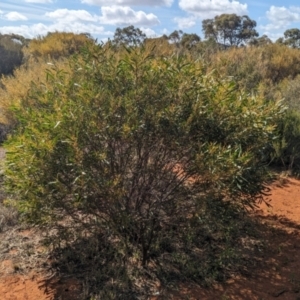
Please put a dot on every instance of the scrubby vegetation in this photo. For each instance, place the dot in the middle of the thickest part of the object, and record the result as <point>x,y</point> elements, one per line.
<point>141,157</point>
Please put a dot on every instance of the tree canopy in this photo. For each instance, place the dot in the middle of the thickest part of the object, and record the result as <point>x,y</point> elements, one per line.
<point>186,40</point>
<point>129,36</point>
<point>229,29</point>
<point>291,38</point>
<point>260,41</point>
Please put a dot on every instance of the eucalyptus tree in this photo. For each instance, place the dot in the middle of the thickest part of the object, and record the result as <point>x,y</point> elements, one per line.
<point>230,29</point>
<point>129,36</point>
<point>291,38</point>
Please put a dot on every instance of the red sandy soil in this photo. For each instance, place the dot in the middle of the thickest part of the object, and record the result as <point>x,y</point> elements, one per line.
<point>34,287</point>
<point>278,276</point>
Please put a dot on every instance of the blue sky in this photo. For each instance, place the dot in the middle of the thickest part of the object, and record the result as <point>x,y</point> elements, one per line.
<point>100,18</point>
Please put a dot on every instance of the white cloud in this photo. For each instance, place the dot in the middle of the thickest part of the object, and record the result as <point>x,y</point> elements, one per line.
<point>280,18</point>
<point>283,15</point>
<point>272,34</point>
<point>26,31</point>
<point>211,8</point>
<point>15,16</point>
<point>124,15</point>
<point>42,29</point>
<point>165,31</point>
<point>39,1</point>
<point>130,2</point>
<point>150,33</point>
<point>77,21</point>
<point>111,15</point>
<point>183,23</point>
<point>67,16</point>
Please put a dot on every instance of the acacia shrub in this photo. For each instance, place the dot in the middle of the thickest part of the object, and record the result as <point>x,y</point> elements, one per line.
<point>15,87</point>
<point>56,45</point>
<point>257,68</point>
<point>287,146</point>
<point>133,148</point>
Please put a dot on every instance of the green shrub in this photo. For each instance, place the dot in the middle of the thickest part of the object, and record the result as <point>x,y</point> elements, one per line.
<point>254,66</point>
<point>15,87</point>
<point>287,148</point>
<point>133,148</point>
<point>56,45</point>
<point>289,91</point>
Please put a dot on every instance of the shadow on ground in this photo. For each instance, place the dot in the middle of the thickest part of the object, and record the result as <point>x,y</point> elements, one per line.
<point>266,264</point>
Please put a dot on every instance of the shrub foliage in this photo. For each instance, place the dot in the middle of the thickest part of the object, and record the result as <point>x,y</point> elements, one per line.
<point>135,146</point>
<point>56,45</point>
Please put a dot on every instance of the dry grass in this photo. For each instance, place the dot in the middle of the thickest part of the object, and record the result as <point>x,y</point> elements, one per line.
<point>8,217</point>
<point>21,250</point>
